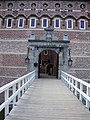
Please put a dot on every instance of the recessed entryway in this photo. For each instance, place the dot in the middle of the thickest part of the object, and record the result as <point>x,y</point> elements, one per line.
<point>48,64</point>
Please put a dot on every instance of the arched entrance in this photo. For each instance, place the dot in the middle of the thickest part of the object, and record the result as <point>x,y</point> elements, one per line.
<point>48,64</point>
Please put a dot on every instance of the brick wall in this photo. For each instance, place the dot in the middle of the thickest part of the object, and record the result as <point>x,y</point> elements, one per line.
<point>12,59</point>
<point>14,41</point>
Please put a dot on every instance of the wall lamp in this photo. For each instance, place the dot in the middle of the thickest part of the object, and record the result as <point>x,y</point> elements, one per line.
<point>70,60</point>
<point>27,58</point>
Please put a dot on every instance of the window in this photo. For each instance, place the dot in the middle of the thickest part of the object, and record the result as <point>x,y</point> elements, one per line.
<point>70,5</point>
<point>10,5</point>
<point>22,5</point>
<point>33,6</point>
<point>57,5</point>
<point>82,24</point>
<point>82,6</point>
<point>45,5</point>
<point>21,22</point>
<point>69,24</point>
<point>57,23</point>
<point>32,22</point>
<point>65,37</point>
<point>9,23</point>
<point>44,22</point>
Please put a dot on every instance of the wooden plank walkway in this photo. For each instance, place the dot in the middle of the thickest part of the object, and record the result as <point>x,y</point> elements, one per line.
<point>49,99</point>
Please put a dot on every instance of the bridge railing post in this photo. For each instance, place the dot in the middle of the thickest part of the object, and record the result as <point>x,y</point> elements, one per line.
<point>22,85</point>
<point>25,88</point>
<point>6,98</point>
<point>87,101</point>
<point>19,85</point>
<point>76,84</point>
<point>81,88</point>
<point>72,88</point>
<point>14,90</point>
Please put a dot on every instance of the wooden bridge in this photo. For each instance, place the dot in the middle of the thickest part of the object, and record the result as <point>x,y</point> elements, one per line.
<point>48,99</point>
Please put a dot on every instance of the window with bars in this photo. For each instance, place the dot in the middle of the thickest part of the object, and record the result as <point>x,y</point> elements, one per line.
<point>69,24</point>
<point>82,24</point>
<point>57,23</point>
<point>32,22</point>
<point>21,23</point>
<point>9,23</point>
<point>44,22</point>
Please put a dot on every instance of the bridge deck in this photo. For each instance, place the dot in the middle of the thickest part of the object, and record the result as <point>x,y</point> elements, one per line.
<point>49,99</point>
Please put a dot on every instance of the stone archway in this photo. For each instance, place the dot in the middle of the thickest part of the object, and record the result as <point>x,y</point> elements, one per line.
<point>48,64</point>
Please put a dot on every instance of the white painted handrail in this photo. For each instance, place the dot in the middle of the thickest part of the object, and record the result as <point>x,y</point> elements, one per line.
<point>79,87</point>
<point>14,90</point>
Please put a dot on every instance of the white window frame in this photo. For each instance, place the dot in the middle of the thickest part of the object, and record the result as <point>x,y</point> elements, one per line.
<point>8,21</point>
<point>22,23</point>
<point>0,22</point>
<point>84,24</point>
<point>46,23</point>
<point>65,37</point>
<point>71,23</point>
<point>34,24</point>
<point>55,22</point>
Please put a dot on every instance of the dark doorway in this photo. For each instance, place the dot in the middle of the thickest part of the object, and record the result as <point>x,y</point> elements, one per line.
<point>48,64</point>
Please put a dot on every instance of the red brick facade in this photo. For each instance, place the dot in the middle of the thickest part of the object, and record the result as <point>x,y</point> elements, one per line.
<point>14,40</point>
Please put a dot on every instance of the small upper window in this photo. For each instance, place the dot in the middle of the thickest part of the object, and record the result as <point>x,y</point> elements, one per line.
<point>9,23</point>
<point>57,23</point>
<point>10,6</point>
<point>32,22</point>
<point>70,5</point>
<point>69,24</point>
<point>44,22</point>
<point>22,5</point>
<point>82,24</point>
<point>45,5</point>
<point>21,22</point>
<point>65,37</point>
<point>57,5</point>
<point>82,6</point>
<point>33,6</point>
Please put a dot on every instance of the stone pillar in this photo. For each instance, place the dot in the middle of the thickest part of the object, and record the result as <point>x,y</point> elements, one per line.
<point>36,61</point>
<point>59,65</point>
<point>31,62</point>
<point>65,67</point>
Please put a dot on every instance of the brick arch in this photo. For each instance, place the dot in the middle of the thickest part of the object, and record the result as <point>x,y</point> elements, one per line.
<point>82,17</point>
<point>33,15</point>
<point>9,15</point>
<point>70,16</point>
<point>55,16</point>
<point>21,15</point>
<point>45,15</point>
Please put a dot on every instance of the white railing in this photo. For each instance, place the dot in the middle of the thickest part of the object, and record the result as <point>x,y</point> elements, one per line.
<point>79,87</point>
<point>14,90</point>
